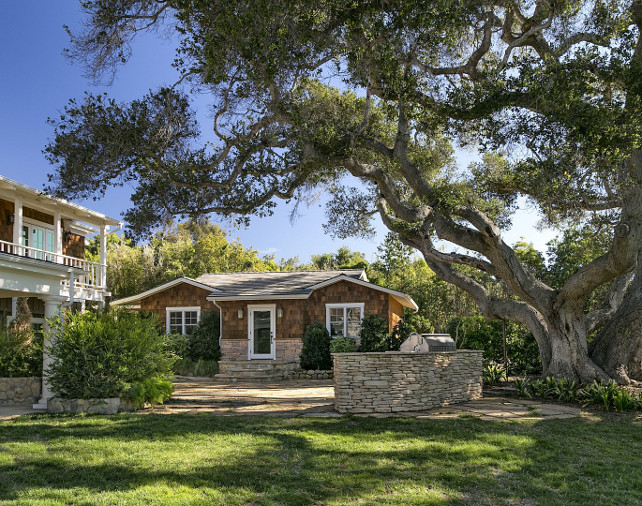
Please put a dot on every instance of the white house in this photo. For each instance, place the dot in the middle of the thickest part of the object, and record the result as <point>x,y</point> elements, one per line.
<point>42,254</point>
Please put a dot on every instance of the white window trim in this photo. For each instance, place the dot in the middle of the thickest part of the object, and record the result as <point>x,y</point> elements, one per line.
<point>182,309</point>
<point>345,306</point>
<point>46,227</point>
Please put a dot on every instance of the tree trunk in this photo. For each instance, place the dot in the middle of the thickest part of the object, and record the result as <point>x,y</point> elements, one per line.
<point>570,359</point>
<point>618,346</point>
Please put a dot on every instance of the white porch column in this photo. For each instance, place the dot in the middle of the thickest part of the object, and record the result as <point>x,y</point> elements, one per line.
<point>17,223</point>
<point>103,256</point>
<point>58,236</point>
<point>52,308</point>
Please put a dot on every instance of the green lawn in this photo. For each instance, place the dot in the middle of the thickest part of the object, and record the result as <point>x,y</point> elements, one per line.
<point>202,459</point>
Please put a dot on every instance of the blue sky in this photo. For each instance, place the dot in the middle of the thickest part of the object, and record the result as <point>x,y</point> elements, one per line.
<point>37,81</point>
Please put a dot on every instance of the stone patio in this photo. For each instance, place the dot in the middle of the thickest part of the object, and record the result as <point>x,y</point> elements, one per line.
<point>316,398</point>
<point>309,398</point>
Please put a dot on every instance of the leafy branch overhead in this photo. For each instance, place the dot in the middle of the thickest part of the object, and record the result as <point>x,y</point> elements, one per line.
<point>305,95</point>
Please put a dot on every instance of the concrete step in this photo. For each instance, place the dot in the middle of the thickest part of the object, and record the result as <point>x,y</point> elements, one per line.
<point>256,365</point>
<point>233,378</point>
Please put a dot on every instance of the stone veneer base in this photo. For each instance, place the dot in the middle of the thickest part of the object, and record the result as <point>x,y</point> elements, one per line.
<point>402,382</point>
<point>109,406</point>
<point>284,349</point>
<point>19,391</point>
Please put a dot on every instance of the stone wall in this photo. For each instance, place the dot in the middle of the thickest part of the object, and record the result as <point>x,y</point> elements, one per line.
<point>398,381</point>
<point>312,375</point>
<point>234,349</point>
<point>110,406</point>
<point>19,391</point>
<point>288,349</point>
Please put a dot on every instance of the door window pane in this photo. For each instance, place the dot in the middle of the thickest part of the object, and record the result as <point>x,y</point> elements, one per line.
<point>262,333</point>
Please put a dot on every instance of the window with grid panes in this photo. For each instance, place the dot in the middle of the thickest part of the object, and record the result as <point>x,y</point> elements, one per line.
<point>182,320</point>
<point>344,320</point>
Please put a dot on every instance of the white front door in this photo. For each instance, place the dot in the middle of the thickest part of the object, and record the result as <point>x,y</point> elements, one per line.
<point>262,331</point>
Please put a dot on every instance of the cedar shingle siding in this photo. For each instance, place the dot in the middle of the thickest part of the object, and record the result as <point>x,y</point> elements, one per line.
<point>296,313</point>
<point>177,296</point>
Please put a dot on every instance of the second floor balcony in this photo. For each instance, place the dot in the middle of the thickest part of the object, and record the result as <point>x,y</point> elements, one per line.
<point>93,273</point>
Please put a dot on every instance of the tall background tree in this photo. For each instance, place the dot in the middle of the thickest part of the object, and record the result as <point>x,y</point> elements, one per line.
<point>550,92</point>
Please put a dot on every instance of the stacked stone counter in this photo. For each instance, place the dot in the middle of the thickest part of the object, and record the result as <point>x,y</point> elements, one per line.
<point>405,381</point>
<point>19,391</point>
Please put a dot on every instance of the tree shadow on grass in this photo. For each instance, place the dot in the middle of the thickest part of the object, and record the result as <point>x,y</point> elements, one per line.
<point>305,461</point>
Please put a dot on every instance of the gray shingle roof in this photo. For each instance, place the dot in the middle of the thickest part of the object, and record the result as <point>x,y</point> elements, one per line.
<point>271,283</point>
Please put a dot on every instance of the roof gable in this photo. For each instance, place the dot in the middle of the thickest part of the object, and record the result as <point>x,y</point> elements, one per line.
<point>273,283</point>
<point>138,297</point>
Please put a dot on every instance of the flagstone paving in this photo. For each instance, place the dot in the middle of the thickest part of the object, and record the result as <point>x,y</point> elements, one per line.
<point>310,398</point>
<point>316,398</point>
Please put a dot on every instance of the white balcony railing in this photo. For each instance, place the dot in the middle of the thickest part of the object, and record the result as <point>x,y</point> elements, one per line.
<point>94,273</point>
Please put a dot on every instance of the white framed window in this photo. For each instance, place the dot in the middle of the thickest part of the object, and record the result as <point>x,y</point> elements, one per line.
<point>35,235</point>
<point>344,320</point>
<point>182,320</point>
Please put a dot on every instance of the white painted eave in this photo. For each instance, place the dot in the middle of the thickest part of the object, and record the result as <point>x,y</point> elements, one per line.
<point>40,200</point>
<point>127,301</point>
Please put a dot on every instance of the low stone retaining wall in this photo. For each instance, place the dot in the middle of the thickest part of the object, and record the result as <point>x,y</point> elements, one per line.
<point>405,381</point>
<point>19,391</point>
<point>110,406</point>
<point>316,375</point>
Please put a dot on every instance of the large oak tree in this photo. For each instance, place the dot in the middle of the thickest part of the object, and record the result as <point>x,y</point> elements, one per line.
<point>305,94</point>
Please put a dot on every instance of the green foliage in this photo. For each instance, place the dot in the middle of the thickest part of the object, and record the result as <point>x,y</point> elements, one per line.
<point>477,333</point>
<point>187,367</point>
<point>20,347</point>
<point>606,395</point>
<point>344,258</point>
<point>374,333</point>
<point>178,345</point>
<point>523,387</point>
<point>203,341</point>
<point>438,301</point>
<point>399,334</point>
<point>343,345</point>
<point>315,353</point>
<point>149,391</point>
<point>104,355</point>
<point>493,374</point>
<point>187,249</point>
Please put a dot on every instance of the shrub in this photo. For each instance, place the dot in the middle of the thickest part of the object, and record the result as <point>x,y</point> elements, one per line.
<point>149,391</point>
<point>316,347</point>
<point>374,333</point>
<point>203,341</point>
<point>20,347</point>
<point>105,355</point>
<point>343,345</point>
<point>477,333</point>
<point>400,333</point>
<point>178,345</point>
<point>187,367</point>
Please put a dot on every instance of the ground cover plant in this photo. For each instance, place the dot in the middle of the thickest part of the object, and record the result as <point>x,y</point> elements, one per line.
<point>183,459</point>
<point>606,395</point>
